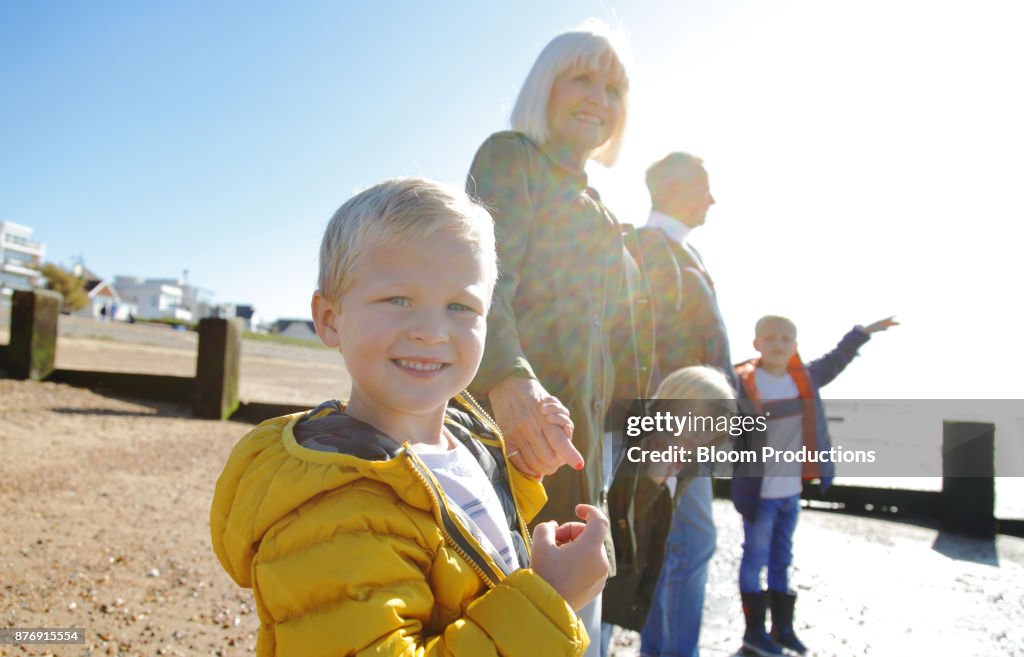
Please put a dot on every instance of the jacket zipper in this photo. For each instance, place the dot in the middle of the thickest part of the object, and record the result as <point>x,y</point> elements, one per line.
<point>508,465</point>
<point>483,414</point>
<point>445,524</point>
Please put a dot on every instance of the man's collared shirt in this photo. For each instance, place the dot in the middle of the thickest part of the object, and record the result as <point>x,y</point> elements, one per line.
<point>672,227</point>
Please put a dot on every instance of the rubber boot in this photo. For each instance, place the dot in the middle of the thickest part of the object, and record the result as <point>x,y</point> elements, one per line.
<point>782,621</point>
<point>755,639</point>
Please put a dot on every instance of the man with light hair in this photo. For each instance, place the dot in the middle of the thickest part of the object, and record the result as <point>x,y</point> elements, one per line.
<point>690,331</point>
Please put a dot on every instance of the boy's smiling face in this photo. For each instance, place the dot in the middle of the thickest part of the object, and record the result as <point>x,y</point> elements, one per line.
<point>411,327</point>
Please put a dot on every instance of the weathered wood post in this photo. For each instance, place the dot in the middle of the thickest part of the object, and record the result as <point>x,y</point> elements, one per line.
<point>33,342</point>
<point>968,478</point>
<point>215,396</point>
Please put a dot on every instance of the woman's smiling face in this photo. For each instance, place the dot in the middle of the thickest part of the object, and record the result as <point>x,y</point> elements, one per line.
<point>585,106</point>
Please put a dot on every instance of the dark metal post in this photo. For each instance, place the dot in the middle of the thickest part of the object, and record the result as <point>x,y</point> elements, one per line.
<point>968,478</point>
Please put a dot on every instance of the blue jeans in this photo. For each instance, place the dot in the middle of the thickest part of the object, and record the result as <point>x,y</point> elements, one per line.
<point>673,622</point>
<point>768,541</point>
<point>590,615</point>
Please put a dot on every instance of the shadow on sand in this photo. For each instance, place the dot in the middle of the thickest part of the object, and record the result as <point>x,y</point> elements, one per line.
<point>967,548</point>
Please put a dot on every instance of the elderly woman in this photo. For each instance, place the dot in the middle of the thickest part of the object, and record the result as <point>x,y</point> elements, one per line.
<point>570,308</point>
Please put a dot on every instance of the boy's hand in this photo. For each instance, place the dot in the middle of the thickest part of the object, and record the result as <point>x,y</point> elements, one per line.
<point>571,557</point>
<point>557,414</point>
<point>880,325</point>
<point>536,426</point>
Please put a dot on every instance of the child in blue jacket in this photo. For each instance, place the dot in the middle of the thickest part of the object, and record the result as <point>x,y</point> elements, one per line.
<point>766,492</point>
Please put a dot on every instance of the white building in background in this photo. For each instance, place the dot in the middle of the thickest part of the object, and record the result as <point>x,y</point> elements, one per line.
<point>104,300</point>
<point>20,258</point>
<point>169,298</point>
<point>156,298</point>
<point>106,303</point>
<point>200,302</point>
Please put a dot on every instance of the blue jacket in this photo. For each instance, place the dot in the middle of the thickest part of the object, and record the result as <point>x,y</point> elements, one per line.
<point>746,481</point>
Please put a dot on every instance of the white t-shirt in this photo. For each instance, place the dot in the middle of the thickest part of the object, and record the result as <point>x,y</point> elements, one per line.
<point>784,434</point>
<point>466,484</point>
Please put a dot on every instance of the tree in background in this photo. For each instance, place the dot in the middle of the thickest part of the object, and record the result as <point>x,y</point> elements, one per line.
<point>72,287</point>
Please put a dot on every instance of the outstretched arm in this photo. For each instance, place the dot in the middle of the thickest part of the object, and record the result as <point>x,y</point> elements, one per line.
<point>823,370</point>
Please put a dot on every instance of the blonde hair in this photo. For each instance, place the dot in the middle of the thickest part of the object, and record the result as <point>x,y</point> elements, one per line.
<point>400,211</point>
<point>774,319</point>
<point>699,382</point>
<point>585,46</point>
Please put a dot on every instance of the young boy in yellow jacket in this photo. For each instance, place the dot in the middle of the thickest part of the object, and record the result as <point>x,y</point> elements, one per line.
<point>395,524</point>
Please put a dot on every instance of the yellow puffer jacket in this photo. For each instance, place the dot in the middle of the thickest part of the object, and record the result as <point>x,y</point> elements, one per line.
<point>366,556</point>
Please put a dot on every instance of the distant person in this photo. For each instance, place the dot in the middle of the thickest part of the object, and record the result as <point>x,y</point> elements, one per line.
<point>113,312</point>
<point>569,321</point>
<point>767,493</point>
<point>690,331</point>
<point>395,523</point>
<point>103,313</point>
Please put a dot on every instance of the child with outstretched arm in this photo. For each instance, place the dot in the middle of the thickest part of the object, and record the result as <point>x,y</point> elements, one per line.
<point>784,390</point>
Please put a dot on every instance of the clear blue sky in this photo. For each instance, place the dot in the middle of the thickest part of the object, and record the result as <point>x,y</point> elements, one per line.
<point>866,157</point>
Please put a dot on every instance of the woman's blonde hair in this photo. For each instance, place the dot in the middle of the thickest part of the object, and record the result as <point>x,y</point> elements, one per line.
<point>590,45</point>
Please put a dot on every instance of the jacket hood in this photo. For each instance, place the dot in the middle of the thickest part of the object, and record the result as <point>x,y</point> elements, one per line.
<point>273,471</point>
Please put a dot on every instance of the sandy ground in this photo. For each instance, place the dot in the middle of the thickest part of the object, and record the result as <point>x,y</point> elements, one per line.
<point>104,528</point>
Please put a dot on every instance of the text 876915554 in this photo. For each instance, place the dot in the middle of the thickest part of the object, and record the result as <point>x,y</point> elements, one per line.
<point>15,635</point>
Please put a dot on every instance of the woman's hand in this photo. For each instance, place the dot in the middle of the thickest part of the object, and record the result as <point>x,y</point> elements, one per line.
<point>536,426</point>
